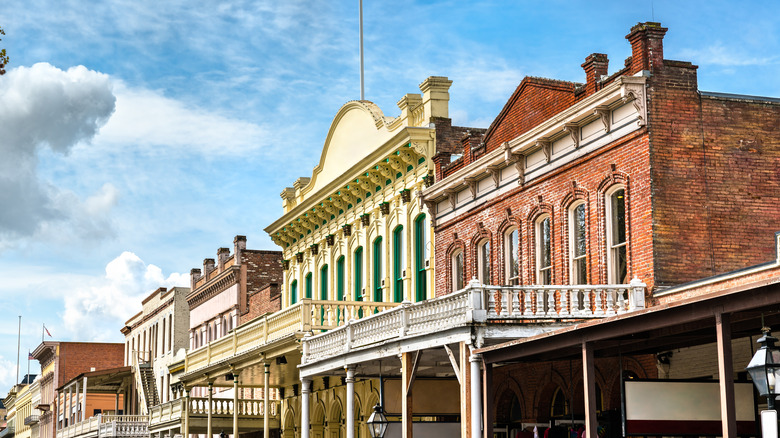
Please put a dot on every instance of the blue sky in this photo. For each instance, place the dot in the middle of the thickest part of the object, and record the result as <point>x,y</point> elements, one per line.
<point>137,137</point>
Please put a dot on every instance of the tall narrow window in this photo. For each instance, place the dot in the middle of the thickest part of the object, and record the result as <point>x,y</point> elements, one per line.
<point>616,236</point>
<point>544,250</point>
<point>577,249</point>
<point>512,256</point>
<point>294,292</point>
<point>398,260</point>
<point>309,285</point>
<point>358,266</point>
<point>419,259</point>
<point>483,262</point>
<point>340,280</point>
<point>377,249</point>
<point>457,271</point>
<point>324,282</point>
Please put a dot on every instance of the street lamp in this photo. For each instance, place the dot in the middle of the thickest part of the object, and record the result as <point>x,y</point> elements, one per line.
<point>377,422</point>
<point>764,369</point>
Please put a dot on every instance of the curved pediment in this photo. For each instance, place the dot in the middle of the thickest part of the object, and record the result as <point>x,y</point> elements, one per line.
<point>358,129</point>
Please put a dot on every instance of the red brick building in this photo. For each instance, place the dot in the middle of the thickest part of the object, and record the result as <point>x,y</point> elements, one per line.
<point>634,174</point>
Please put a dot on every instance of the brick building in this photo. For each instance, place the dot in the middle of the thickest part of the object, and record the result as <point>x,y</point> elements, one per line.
<point>61,362</point>
<point>631,175</point>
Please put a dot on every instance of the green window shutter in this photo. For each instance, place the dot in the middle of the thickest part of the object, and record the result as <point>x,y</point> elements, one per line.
<point>309,285</point>
<point>294,292</point>
<point>378,269</point>
<point>324,283</point>
<point>340,279</point>
<point>419,258</point>
<point>359,274</point>
<point>398,280</point>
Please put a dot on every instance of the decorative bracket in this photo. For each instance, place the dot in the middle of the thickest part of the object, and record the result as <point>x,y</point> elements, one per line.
<point>574,132</point>
<point>635,93</point>
<point>472,181</point>
<point>452,195</point>
<point>495,172</point>
<point>546,146</point>
<point>605,115</point>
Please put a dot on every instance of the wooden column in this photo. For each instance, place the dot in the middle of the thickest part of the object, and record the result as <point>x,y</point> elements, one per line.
<point>589,384</point>
<point>487,396</point>
<point>305,421</point>
<point>465,389</point>
<point>235,404</point>
<point>209,431</point>
<point>726,375</point>
<point>266,408</point>
<point>407,376</point>
<point>186,414</point>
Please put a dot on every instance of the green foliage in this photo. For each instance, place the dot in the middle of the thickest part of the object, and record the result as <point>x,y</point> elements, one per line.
<point>3,57</point>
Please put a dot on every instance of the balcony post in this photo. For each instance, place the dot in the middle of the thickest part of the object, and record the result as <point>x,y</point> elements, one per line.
<point>235,403</point>
<point>350,420</point>
<point>266,410</point>
<point>209,431</point>
<point>636,298</point>
<point>84,401</point>
<point>589,383</point>
<point>476,396</point>
<point>305,390</point>
<point>186,413</point>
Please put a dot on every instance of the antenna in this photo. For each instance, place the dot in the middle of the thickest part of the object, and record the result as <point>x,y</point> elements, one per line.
<point>362,87</point>
<point>652,9</point>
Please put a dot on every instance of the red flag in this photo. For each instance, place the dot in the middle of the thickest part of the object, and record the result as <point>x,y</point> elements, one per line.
<point>47,331</point>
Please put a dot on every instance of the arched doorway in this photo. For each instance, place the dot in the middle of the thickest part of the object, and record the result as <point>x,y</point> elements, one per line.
<point>335,421</point>
<point>289,425</point>
<point>318,421</point>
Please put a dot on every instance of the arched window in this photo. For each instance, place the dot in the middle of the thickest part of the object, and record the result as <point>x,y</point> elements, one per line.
<point>294,292</point>
<point>339,279</point>
<point>457,270</point>
<point>560,406</point>
<point>578,263</point>
<point>420,279</point>
<point>309,285</point>
<point>398,264</point>
<point>324,282</point>
<point>377,249</point>
<point>616,236</point>
<point>483,261</point>
<point>512,256</point>
<point>544,250</point>
<point>358,267</point>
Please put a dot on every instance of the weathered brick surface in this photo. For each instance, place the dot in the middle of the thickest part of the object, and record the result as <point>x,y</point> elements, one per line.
<point>80,357</point>
<point>263,277</point>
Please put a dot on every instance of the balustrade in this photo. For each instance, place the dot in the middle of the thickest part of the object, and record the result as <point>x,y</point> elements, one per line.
<point>109,426</point>
<point>224,407</point>
<point>478,303</point>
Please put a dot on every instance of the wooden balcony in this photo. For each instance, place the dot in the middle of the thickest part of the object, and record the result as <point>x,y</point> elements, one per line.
<point>108,426</point>
<point>250,414</point>
<point>306,316</point>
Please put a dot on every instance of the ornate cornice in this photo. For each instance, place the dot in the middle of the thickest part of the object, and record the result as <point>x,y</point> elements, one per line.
<point>213,287</point>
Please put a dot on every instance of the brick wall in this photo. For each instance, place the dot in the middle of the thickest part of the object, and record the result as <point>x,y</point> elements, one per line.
<point>79,357</point>
<point>623,162</point>
<point>263,277</point>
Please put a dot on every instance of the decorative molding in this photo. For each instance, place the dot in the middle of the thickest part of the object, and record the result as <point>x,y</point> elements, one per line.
<point>406,195</point>
<point>365,219</point>
<point>605,114</point>
<point>452,195</point>
<point>384,208</point>
<point>635,93</point>
<point>546,146</point>
<point>347,229</point>
<point>574,132</point>
<point>299,257</point>
<point>495,172</point>
<point>285,265</point>
<point>314,249</point>
<point>473,183</point>
<point>329,239</point>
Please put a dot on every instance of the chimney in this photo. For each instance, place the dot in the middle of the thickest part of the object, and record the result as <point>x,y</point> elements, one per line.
<point>194,277</point>
<point>239,245</point>
<point>222,256</point>
<point>647,47</point>
<point>595,66</point>
<point>436,97</point>
<point>208,266</point>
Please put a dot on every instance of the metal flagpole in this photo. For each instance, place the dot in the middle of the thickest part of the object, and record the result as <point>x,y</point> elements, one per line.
<point>362,87</point>
<point>18,348</point>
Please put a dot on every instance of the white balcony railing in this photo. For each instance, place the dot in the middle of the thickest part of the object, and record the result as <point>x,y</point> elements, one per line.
<point>478,303</point>
<point>109,426</point>
<point>220,407</point>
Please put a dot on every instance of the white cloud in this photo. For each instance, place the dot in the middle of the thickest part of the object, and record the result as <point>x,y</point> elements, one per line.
<point>718,54</point>
<point>96,312</point>
<point>149,120</point>
<point>45,107</point>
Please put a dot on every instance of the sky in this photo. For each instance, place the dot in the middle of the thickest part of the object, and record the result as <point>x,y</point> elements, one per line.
<point>137,137</point>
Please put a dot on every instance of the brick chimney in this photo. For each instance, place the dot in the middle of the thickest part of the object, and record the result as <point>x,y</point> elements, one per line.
<point>208,266</point>
<point>596,65</point>
<point>222,256</point>
<point>647,47</point>
<point>194,277</point>
<point>239,245</point>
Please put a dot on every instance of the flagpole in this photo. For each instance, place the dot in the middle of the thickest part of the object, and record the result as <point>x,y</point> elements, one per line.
<point>28,366</point>
<point>43,327</point>
<point>362,87</point>
<point>18,348</point>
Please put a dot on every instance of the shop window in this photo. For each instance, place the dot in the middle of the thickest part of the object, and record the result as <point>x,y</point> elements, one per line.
<point>578,245</point>
<point>544,250</point>
<point>483,262</point>
<point>377,248</point>
<point>616,236</point>
<point>419,258</point>
<point>512,256</point>
<point>457,271</point>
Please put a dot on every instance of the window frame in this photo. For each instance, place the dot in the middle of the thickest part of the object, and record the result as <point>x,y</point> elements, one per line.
<point>543,243</point>
<point>309,283</point>
<point>340,278</point>
<point>484,258</point>
<point>457,271</point>
<point>575,269</point>
<point>293,292</point>
<point>420,272</point>
<point>378,274</point>
<point>398,270</point>
<point>358,273</point>
<point>512,253</point>
<point>609,230</point>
